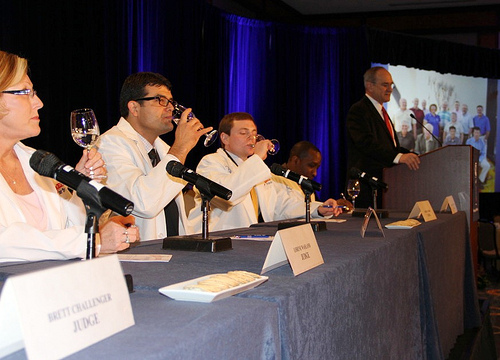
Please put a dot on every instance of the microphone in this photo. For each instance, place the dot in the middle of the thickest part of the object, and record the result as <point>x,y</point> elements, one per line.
<point>423,127</point>
<point>47,164</point>
<point>355,173</point>
<point>303,181</point>
<point>204,185</point>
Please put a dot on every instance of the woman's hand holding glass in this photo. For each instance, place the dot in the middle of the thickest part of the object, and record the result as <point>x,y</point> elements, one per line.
<point>92,164</point>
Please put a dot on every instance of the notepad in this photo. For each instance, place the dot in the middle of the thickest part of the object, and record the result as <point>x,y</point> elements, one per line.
<point>144,257</point>
<point>403,224</point>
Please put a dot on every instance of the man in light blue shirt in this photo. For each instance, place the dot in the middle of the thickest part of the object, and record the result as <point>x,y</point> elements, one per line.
<point>444,115</point>
<point>482,122</point>
<point>477,142</point>
<point>467,121</point>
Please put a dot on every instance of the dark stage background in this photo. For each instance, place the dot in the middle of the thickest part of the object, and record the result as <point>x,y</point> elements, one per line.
<point>297,81</point>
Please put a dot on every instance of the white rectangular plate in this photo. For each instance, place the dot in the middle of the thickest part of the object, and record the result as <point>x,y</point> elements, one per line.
<point>177,291</point>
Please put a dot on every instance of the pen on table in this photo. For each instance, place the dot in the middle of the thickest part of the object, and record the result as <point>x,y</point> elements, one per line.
<point>338,206</point>
<point>252,236</point>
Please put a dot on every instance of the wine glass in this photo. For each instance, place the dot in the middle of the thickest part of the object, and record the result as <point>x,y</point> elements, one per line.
<point>353,189</point>
<point>176,116</point>
<point>276,144</point>
<point>84,128</point>
<point>85,131</point>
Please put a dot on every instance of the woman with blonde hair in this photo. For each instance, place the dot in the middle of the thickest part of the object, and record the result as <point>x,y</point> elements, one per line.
<point>39,218</point>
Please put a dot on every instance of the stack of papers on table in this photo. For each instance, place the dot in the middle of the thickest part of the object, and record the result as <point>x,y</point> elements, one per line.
<point>403,224</point>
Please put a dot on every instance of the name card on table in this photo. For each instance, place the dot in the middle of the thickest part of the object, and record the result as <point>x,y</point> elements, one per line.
<point>423,208</point>
<point>296,245</point>
<point>449,202</point>
<point>364,226</point>
<point>56,312</point>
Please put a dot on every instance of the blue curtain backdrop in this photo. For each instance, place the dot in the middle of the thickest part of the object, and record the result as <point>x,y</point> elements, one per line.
<point>289,78</point>
<point>297,81</point>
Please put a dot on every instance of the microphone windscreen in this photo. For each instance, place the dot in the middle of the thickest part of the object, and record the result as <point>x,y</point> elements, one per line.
<point>45,163</point>
<point>175,168</point>
<point>277,169</point>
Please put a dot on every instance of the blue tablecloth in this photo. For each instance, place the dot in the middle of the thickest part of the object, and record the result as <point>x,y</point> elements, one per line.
<point>408,295</point>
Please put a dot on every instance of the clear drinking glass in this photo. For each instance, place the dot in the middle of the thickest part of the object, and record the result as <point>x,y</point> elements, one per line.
<point>84,128</point>
<point>276,144</point>
<point>85,131</point>
<point>353,189</point>
<point>176,116</point>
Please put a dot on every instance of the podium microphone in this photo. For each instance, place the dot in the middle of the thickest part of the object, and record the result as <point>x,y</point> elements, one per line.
<point>303,181</point>
<point>204,185</point>
<point>47,164</point>
<point>355,173</point>
<point>423,127</point>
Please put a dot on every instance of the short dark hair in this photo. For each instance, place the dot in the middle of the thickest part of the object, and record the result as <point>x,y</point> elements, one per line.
<point>476,128</point>
<point>301,149</point>
<point>226,123</point>
<point>134,87</point>
<point>452,127</point>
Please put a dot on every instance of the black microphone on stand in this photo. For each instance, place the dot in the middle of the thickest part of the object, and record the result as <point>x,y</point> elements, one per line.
<point>203,184</point>
<point>308,187</point>
<point>47,164</point>
<point>303,181</point>
<point>208,189</point>
<point>355,173</point>
<point>423,127</point>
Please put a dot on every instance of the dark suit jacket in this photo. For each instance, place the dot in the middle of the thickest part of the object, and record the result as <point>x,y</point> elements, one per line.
<point>369,143</point>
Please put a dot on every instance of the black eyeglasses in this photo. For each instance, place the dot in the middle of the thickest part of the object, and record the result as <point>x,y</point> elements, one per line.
<point>31,93</point>
<point>162,100</point>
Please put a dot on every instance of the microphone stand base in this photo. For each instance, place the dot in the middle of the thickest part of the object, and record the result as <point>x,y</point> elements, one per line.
<point>382,214</point>
<point>316,225</point>
<point>197,243</point>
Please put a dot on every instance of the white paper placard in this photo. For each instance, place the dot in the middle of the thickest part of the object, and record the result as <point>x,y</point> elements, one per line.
<point>56,312</point>
<point>423,208</point>
<point>296,245</point>
<point>449,202</point>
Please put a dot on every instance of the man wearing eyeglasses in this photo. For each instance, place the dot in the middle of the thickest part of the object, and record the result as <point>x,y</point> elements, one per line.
<point>136,157</point>
<point>371,137</point>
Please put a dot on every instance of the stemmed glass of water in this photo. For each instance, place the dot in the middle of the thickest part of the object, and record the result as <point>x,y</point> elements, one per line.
<point>176,116</point>
<point>84,128</point>
<point>276,144</point>
<point>85,131</point>
<point>353,189</point>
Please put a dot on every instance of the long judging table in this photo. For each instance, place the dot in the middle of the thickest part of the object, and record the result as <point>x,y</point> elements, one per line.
<point>406,295</point>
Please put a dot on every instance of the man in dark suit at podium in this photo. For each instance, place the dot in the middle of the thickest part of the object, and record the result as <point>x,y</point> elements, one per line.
<point>371,137</point>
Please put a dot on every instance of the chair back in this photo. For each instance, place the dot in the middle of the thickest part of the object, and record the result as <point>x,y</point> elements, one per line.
<point>487,239</point>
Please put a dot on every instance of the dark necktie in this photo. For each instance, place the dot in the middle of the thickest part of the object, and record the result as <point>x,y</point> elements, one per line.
<point>171,210</point>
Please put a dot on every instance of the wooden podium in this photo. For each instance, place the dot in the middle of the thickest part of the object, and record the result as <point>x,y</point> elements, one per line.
<point>450,170</point>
